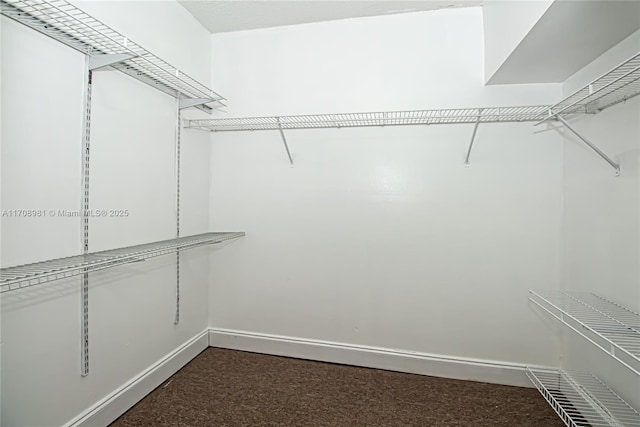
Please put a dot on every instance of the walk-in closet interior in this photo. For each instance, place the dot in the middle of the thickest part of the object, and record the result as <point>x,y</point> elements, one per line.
<point>430,197</point>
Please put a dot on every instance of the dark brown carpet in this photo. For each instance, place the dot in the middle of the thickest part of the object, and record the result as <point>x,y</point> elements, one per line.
<point>234,388</point>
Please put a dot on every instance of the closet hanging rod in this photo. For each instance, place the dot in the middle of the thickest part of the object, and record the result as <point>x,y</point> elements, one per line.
<point>71,26</point>
<point>388,118</point>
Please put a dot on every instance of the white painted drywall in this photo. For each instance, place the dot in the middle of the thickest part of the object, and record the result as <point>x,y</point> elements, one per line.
<point>226,16</point>
<point>380,237</point>
<point>132,167</point>
<point>568,36</point>
<point>506,23</point>
<point>601,222</point>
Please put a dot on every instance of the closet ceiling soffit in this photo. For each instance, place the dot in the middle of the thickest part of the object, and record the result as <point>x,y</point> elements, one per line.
<point>238,15</point>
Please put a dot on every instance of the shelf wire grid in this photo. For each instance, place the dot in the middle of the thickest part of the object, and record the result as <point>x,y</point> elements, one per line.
<point>69,25</point>
<point>23,276</point>
<point>581,399</point>
<point>617,325</point>
<point>617,85</point>
<point>387,118</point>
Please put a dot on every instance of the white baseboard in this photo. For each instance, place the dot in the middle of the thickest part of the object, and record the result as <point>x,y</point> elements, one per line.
<point>117,403</point>
<point>373,357</point>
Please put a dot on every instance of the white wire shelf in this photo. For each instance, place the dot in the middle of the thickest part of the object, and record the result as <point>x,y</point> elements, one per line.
<point>387,118</point>
<point>617,85</point>
<point>581,399</point>
<point>612,327</point>
<point>68,24</point>
<point>23,276</point>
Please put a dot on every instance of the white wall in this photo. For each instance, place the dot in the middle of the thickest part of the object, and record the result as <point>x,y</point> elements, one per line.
<point>506,23</point>
<point>132,167</point>
<point>601,222</point>
<point>380,237</point>
<point>567,37</point>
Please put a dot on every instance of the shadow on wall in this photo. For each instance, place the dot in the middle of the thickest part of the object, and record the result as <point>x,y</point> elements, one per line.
<point>39,294</point>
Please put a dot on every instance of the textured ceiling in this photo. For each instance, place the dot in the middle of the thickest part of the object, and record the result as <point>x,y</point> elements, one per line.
<point>220,16</point>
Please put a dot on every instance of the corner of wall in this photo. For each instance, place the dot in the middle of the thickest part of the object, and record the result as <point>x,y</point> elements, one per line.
<point>600,224</point>
<point>505,25</point>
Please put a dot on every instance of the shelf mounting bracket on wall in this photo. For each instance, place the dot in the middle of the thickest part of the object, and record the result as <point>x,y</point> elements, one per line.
<point>193,102</point>
<point>473,137</point>
<point>105,60</point>
<point>179,106</point>
<point>86,151</point>
<point>284,140</point>
<point>591,145</point>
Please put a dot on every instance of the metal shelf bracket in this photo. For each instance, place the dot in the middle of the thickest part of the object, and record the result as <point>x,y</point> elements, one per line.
<point>85,165</point>
<point>193,102</point>
<point>284,140</point>
<point>177,171</point>
<point>591,145</point>
<point>105,60</point>
<point>70,25</point>
<point>473,137</point>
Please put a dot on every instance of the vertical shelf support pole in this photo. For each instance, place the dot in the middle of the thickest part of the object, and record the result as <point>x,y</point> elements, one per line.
<point>177,169</point>
<point>591,145</point>
<point>84,291</point>
<point>284,140</point>
<point>473,137</point>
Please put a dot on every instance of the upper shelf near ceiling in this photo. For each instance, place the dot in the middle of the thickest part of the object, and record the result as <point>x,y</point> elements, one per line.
<point>69,25</point>
<point>387,118</point>
<point>615,86</point>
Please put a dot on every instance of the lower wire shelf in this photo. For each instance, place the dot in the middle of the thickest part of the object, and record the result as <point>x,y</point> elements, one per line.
<point>581,399</point>
<point>23,276</point>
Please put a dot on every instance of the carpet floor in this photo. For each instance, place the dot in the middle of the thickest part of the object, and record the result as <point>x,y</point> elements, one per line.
<point>234,388</point>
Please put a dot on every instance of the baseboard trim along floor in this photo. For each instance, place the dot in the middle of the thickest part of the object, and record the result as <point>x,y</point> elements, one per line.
<point>117,403</point>
<point>373,357</point>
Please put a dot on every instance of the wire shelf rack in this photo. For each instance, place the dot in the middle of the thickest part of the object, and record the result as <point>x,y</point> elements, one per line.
<point>68,24</point>
<point>617,85</point>
<point>614,328</point>
<point>581,399</point>
<point>23,276</point>
<point>387,118</point>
